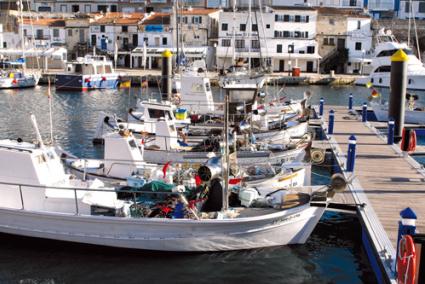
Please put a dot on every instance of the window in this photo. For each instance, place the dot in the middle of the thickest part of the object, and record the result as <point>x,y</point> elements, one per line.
<point>307,19</point>
<point>124,29</point>
<point>225,42</point>
<point>164,41</point>
<point>421,7</point>
<point>4,44</point>
<point>331,22</point>
<point>297,18</point>
<point>331,41</point>
<point>279,48</point>
<point>69,32</point>
<point>286,18</point>
<point>240,43</point>
<point>242,27</point>
<point>358,46</point>
<point>325,41</point>
<point>87,8</point>
<point>407,7</point>
<point>359,25</point>
<point>224,27</point>
<point>268,26</point>
<point>383,69</point>
<point>102,8</point>
<point>197,20</point>
<point>291,48</point>
<point>75,8</point>
<point>102,29</point>
<point>40,34</point>
<point>310,49</point>
<point>25,32</point>
<point>255,44</point>
<point>55,33</point>
<point>254,27</point>
<point>390,52</point>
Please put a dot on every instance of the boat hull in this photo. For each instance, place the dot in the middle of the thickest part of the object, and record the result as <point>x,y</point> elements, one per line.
<point>18,83</point>
<point>87,82</point>
<point>412,117</point>
<point>383,80</point>
<point>292,226</point>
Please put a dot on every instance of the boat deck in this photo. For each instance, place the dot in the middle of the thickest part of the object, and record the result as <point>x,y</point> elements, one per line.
<point>384,182</point>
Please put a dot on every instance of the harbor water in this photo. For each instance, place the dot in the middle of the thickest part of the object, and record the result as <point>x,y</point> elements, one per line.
<point>333,254</point>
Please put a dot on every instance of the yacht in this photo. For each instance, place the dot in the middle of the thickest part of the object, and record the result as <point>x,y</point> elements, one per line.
<point>386,46</point>
<point>88,73</point>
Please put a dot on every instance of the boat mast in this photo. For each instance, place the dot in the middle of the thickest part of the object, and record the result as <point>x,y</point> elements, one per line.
<point>249,34</point>
<point>225,157</point>
<point>408,28</point>
<point>21,12</point>
<point>234,34</point>
<point>176,9</point>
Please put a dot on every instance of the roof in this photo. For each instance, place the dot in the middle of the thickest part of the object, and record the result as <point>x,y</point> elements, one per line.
<point>118,18</point>
<point>328,11</point>
<point>195,11</point>
<point>51,22</point>
<point>157,19</point>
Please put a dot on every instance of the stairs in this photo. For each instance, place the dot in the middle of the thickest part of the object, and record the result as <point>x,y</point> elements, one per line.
<point>335,60</point>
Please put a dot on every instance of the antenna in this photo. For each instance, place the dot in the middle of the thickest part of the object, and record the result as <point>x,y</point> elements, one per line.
<point>49,94</point>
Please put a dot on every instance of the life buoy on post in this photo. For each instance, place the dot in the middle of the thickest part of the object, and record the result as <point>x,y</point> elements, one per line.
<point>406,260</point>
<point>408,140</point>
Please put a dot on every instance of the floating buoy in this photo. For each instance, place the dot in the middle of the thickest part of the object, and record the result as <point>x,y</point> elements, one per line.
<point>317,156</point>
<point>408,140</point>
<point>406,260</point>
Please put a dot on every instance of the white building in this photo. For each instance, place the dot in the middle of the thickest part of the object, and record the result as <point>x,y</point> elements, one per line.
<point>43,32</point>
<point>412,9</point>
<point>319,3</point>
<point>282,39</point>
<point>358,43</point>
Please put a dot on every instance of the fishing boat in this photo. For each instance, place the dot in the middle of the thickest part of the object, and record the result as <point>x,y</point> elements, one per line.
<point>88,73</point>
<point>14,76</point>
<point>40,200</point>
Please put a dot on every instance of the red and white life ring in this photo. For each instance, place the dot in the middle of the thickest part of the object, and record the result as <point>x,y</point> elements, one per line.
<point>406,260</point>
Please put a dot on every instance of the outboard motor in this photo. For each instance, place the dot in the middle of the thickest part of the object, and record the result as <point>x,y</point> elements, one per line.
<point>210,170</point>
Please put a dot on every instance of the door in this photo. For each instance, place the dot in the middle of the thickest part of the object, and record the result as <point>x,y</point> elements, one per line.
<point>340,43</point>
<point>135,40</point>
<point>103,44</point>
<point>281,65</point>
<point>93,40</point>
<point>309,68</point>
<point>82,37</point>
<point>125,43</point>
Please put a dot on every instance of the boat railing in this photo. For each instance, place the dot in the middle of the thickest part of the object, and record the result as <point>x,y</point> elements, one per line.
<point>22,186</point>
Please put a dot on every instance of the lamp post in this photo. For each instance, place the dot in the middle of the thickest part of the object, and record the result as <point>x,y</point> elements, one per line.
<point>290,50</point>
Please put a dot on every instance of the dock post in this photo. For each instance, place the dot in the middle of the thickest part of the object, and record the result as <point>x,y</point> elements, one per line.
<point>407,224</point>
<point>166,78</point>
<point>351,153</point>
<point>321,103</point>
<point>331,122</point>
<point>390,137</point>
<point>350,102</point>
<point>398,85</point>
<point>364,112</point>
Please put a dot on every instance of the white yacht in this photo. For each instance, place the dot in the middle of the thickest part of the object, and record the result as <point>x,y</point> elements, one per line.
<point>14,76</point>
<point>380,76</point>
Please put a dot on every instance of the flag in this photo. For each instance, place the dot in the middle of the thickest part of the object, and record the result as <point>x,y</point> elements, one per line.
<point>368,85</point>
<point>125,84</point>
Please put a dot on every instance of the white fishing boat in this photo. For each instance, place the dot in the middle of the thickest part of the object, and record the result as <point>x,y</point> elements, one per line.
<point>40,200</point>
<point>412,115</point>
<point>380,76</point>
<point>14,76</point>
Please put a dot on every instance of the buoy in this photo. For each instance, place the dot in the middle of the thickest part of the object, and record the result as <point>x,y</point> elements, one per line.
<point>406,260</point>
<point>408,140</point>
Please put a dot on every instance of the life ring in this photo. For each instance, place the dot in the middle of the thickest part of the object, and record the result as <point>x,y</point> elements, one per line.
<point>408,140</point>
<point>406,260</point>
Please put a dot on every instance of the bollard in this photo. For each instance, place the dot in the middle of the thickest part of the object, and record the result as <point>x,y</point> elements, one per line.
<point>351,153</point>
<point>166,79</point>
<point>390,137</point>
<point>331,122</point>
<point>407,224</point>
<point>321,103</point>
<point>350,102</point>
<point>398,86</point>
<point>364,112</point>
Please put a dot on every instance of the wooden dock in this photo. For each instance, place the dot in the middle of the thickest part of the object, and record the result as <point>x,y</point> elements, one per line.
<point>384,182</point>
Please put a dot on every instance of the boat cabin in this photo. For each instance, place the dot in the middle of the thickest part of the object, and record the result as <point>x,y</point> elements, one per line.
<point>90,65</point>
